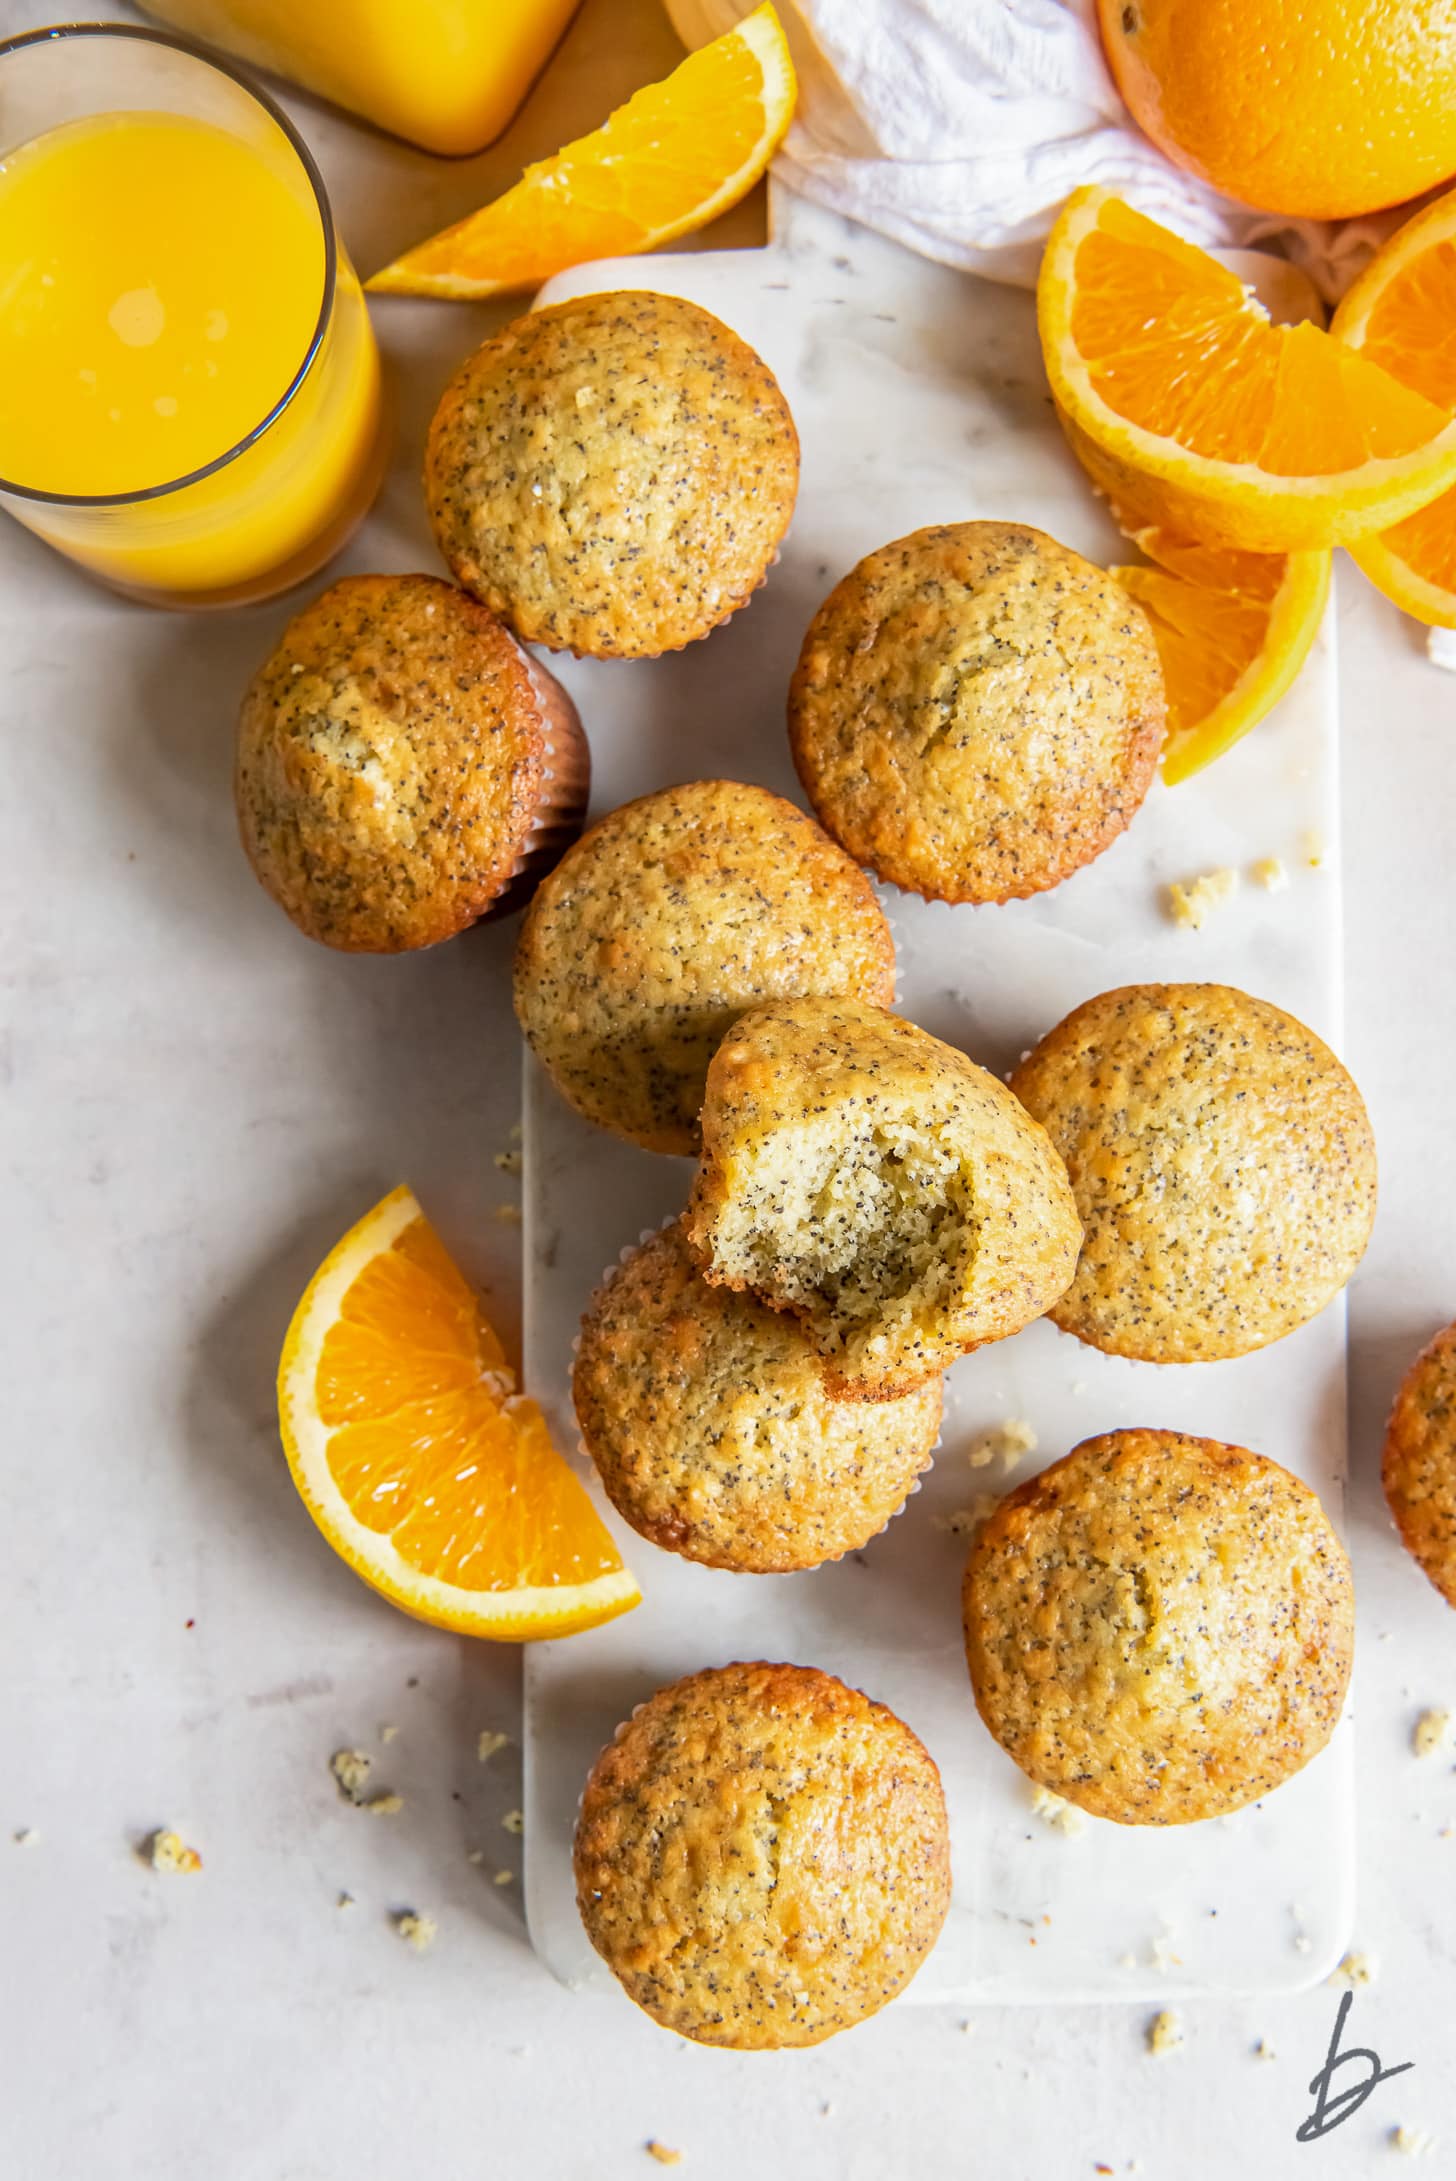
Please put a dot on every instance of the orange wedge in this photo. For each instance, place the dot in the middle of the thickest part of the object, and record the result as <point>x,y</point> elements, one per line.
<point>1232,629</point>
<point>1401,313</point>
<point>674,157</point>
<point>437,1485</point>
<point>1270,438</point>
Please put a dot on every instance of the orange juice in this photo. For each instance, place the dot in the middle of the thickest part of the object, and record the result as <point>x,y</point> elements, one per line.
<point>448,74</point>
<point>162,282</point>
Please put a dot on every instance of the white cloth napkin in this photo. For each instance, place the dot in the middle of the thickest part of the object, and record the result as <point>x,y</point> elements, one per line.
<point>959,127</point>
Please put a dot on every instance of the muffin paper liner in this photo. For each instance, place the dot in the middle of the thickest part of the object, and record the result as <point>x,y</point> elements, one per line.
<point>563,794</point>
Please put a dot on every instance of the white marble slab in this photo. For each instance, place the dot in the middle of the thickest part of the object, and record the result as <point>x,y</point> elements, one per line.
<point>920,397</point>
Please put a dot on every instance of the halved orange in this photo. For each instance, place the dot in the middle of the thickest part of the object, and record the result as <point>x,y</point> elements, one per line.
<point>675,156</point>
<point>1232,629</point>
<point>1401,313</point>
<point>1270,438</point>
<point>436,1483</point>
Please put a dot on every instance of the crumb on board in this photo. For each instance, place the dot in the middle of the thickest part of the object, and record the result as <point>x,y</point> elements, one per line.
<point>26,1837</point>
<point>508,1162</point>
<point>1006,1443</point>
<point>1430,1732</point>
<point>387,1733</point>
<point>1165,2034</point>
<point>1415,2142</point>
<point>487,1743</point>
<point>1054,1811</point>
<point>416,1929</point>
<point>661,2153</point>
<point>508,1214</point>
<point>168,1851</point>
<point>1263,2050</point>
<point>504,1878</point>
<point>514,1821</point>
<point>350,1768</point>
<point>475,1855</point>
<point>965,1521</point>
<point>1192,901</point>
<point>1312,841</point>
<point>1269,872</point>
<point>388,1805</point>
<point>344,1900</point>
<point>1355,1969</point>
<point>516,1132</point>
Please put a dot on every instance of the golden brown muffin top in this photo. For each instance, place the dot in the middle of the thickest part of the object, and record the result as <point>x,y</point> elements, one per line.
<point>391,757</point>
<point>878,1184</point>
<point>762,1856</point>
<point>1223,1165</point>
<point>1419,1469</point>
<point>977,711</point>
<point>612,475</point>
<point>708,1419</point>
<point>1159,1628</point>
<point>662,924</point>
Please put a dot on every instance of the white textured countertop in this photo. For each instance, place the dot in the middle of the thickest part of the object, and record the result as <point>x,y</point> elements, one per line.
<point>237,2025</point>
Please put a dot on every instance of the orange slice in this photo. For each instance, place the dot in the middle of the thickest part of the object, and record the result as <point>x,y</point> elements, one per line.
<point>1270,438</point>
<point>436,1484</point>
<point>1232,629</point>
<point>1401,313</point>
<point>675,156</point>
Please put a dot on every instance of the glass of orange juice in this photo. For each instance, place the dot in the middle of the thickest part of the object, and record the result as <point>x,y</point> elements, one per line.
<point>190,397</point>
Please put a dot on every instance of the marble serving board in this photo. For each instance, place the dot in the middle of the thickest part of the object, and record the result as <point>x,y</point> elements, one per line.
<point>920,398</point>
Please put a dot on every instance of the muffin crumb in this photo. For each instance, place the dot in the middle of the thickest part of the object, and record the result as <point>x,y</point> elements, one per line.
<point>1165,2034</point>
<point>26,1837</point>
<point>1270,873</point>
<point>1006,1444</point>
<point>1354,1970</point>
<point>1263,2050</point>
<point>509,1162</point>
<point>504,1878</point>
<point>167,1851</point>
<point>344,1900</point>
<point>350,1768</point>
<point>1192,901</point>
<point>662,2154</point>
<point>965,1521</point>
<point>388,1805</point>
<point>416,1929</point>
<point>1415,2142</point>
<point>514,1821</point>
<point>1059,1816</point>
<point>1430,1732</point>
<point>509,1215</point>
<point>488,1744</point>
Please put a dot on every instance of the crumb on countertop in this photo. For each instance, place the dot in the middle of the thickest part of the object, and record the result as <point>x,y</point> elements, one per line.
<point>387,1734</point>
<point>350,1768</point>
<point>661,2153</point>
<point>1415,2142</point>
<point>1007,1443</point>
<point>1192,901</point>
<point>509,1214</point>
<point>508,1162</point>
<point>1354,1969</point>
<point>1313,844</point>
<point>504,1878</point>
<point>26,1837</point>
<point>417,1930</point>
<point>1263,2050</point>
<point>1165,2034</point>
<point>383,1805</point>
<point>167,1851</point>
<point>1430,1731</point>
<point>487,1743</point>
<point>344,1900</point>
<point>1061,1816</point>
<point>1269,872</point>
<point>1160,1951</point>
<point>514,1821</point>
<point>475,1855</point>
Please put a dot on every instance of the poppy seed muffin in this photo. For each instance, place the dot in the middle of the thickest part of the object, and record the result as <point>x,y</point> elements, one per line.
<point>1419,1466</point>
<point>404,767</point>
<point>762,1856</point>
<point>881,1187</point>
<point>612,475</point>
<point>708,1420</point>
<point>1159,1628</point>
<point>662,924</point>
<point>1223,1166</point>
<point>977,711</point>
